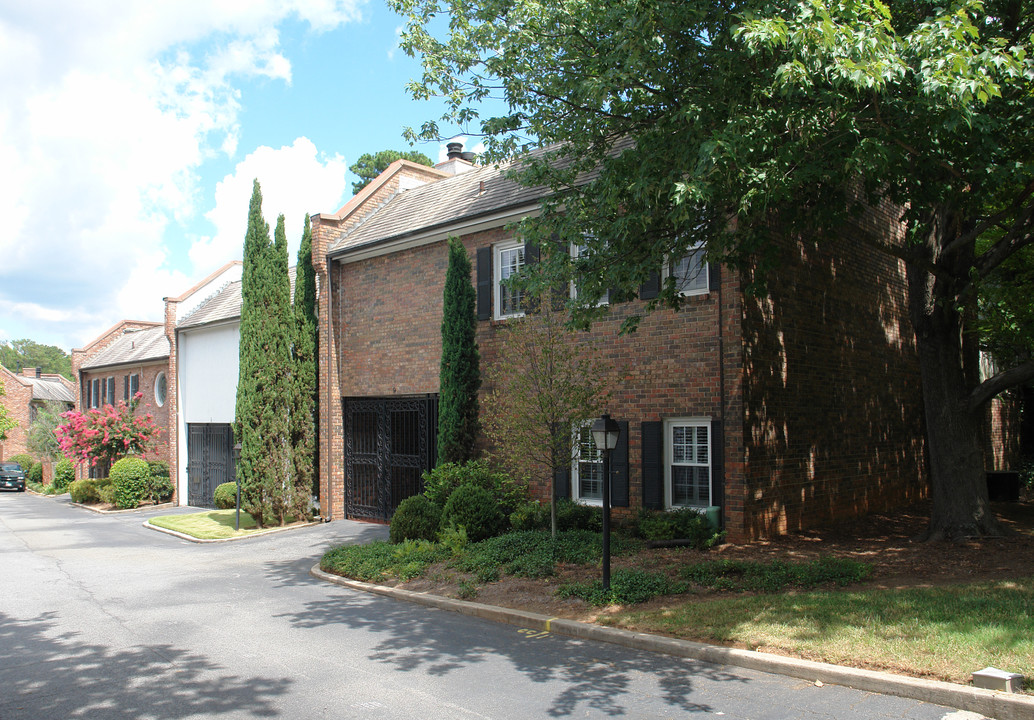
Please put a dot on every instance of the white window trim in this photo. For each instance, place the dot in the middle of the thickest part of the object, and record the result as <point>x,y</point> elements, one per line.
<point>704,272</point>
<point>575,481</point>
<point>576,252</point>
<point>497,277</point>
<point>160,402</point>
<point>669,424</point>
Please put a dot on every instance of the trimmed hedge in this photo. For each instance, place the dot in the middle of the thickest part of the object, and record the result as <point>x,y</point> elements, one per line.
<point>440,483</point>
<point>35,473</point>
<point>130,476</point>
<point>474,509</point>
<point>416,518</point>
<point>84,491</point>
<point>64,474</point>
<point>226,496</point>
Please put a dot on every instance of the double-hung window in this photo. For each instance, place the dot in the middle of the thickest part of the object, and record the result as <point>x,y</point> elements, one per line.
<point>687,467</point>
<point>95,393</point>
<point>690,272</point>
<point>508,260</point>
<point>586,467</point>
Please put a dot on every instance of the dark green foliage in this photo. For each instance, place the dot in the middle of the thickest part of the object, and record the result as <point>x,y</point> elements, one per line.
<point>381,560</point>
<point>627,587</point>
<point>24,460</point>
<point>774,576</point>
<point>571,515</point>
<point>261,416</point>
<point>159,488</point>
<point>368,166</point>
<point>534,553</point>
<point>304,454</point>
<point>84,491</point>
<point>19,354</point>
<point>440,483</point>
<point>460,373</point>
<point>64,474</point>
<point>475,509</point>
<point>416,518</point>
<point>682,524</point>
<point>42,441</point>
<point>35,473</point>
<point>226,495</point>
<point>158,468</point>
<point>129,478</point>
<point>531,515</point>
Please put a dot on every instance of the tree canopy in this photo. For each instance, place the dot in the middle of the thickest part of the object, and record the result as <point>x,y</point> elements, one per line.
<point>704,120</point>
<point>368,166</point>
<point>19,354</point>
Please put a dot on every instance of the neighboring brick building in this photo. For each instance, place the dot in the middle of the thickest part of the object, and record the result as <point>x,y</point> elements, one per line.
<point>786,411</point>
<point>130,357</point>
<point>24,395</point>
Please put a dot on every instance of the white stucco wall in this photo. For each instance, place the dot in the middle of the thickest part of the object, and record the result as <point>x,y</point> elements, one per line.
<point>209,359</point>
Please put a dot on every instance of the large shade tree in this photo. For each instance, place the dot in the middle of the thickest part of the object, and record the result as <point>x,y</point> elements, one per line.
<point>368,166</point>
<point>709,119</point>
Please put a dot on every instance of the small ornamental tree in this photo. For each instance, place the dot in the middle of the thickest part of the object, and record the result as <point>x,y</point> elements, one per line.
<point>460,375</point>
<point>42,438</point>
<point>6,422</point>
<point>102,436</point>
<point>545,384</point>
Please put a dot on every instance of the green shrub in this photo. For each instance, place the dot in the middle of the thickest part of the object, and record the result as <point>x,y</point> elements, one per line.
<point>776,575</point>
<point>84,491</point>
<point>158,468</point>
<point>475,509</point>
<point>441,482</point>
<point>159,488</point>
<point>416,518</point>
<point>379,560</point>
<point>24,460</point>
<point>627,587</point>
<point>681,524</point>
<point>106,494</point>
<point>129,477</point>
<point>571,515</point>
<point>226,496</point>
<point>531,515</point>
<point>64,474</point>
<point>35,473</point>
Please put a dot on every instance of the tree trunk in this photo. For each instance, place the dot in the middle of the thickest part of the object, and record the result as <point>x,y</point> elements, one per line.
<point>958,485</point>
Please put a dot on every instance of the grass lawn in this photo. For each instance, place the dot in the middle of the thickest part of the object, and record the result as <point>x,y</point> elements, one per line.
<point>211,525</point>
<point>939,632</point>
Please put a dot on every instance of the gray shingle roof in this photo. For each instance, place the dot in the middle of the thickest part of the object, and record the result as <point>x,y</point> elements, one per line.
<point>133,346</point>
<point>468,195</point>
<point>224,305</point>
<point>50,389</point>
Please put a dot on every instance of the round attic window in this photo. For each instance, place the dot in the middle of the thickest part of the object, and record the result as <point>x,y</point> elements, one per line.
<point>160,389</point>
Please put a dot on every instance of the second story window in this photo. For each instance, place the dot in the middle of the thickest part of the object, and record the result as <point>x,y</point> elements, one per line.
<point>690,272</point>
<point>509,259</point>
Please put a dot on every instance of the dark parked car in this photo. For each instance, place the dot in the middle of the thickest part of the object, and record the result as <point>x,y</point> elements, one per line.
<point>12,477</point>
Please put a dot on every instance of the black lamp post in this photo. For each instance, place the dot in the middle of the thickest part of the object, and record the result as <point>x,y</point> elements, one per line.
<point>605,434</point>
<point>237,479</point>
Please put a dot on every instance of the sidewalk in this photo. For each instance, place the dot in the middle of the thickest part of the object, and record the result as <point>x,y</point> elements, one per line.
<point>989,703</point>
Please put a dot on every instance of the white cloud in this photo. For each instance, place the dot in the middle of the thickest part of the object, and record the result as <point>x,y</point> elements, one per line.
<point>109,112</point>
<point>294,180</point>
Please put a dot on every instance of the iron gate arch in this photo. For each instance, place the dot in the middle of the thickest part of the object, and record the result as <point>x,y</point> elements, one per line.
<point>389,443</point>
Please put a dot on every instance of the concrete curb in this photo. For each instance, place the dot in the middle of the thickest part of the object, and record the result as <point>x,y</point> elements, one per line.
<point>989,703</point>
<point>190,538</point>
<point>142,508</point>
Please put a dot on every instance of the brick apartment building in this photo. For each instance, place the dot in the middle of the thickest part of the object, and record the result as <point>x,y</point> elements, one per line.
<point>785,411</point>
<point>24,395</point>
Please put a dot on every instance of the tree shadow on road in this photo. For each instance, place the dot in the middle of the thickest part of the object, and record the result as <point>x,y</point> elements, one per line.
<point>589,675</point>
<point>49,675</point>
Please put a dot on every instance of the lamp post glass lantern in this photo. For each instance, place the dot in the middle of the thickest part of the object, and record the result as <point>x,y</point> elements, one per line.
<point>605,434</point>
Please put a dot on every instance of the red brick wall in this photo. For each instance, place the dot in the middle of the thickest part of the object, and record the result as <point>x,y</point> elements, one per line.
<point>833,416</point>
<point>17,398</point>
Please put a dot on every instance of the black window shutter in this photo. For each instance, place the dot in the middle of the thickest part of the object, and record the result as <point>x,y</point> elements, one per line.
<point>653,465</point>
<point>619,468</point>
<point>652,287</point>
<point>531,254</point>
<point>562,482</point>
<point>484,275</point>
<point>125,388</point>
<point>714,276</point>
<point>717,464</point>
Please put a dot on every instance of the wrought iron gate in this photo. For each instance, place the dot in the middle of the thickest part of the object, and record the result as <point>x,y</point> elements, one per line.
<point>209,461</point>
<point>389,443</point>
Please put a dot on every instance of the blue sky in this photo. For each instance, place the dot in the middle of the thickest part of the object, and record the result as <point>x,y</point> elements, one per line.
<point>130,133</point>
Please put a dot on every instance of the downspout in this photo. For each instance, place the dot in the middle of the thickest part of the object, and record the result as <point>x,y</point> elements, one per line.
<point>326,417</point>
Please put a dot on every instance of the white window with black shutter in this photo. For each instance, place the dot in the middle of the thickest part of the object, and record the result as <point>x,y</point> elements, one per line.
<point>508,259</point>
<point>681,463</point>
<point>583,481</point>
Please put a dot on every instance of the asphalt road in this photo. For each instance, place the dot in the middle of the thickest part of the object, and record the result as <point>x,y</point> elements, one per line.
<point>102,618</point>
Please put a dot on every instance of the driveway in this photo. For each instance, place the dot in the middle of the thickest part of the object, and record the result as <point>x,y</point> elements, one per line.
<point>101,618</point>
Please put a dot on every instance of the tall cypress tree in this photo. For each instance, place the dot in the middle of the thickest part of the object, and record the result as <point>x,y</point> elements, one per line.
<point>303,396</point>
<point>260,424</point>
<point>460,374</point>
<point>247,429</point>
